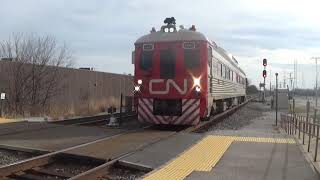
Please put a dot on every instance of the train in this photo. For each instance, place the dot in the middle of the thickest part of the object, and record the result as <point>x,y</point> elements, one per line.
<point>182,78</point>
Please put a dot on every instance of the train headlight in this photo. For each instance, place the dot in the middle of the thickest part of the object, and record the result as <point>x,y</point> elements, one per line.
<point>137,88</point>
<point>139,81</point>
<point>198,89</point>
<point>196,82</point>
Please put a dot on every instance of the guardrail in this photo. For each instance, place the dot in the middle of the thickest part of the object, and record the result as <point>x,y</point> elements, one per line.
<point>293,124</point>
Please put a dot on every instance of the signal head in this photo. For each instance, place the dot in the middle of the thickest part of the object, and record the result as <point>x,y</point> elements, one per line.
<point>264,73</point>
<point>264,62</point>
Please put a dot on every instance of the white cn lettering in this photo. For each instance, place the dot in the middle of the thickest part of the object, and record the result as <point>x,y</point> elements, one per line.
<point>169,83</point>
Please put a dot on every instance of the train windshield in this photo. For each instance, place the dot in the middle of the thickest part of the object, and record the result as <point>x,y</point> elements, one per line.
<point>192,58</point>
<point>146,60</point>
<point>167,64</point>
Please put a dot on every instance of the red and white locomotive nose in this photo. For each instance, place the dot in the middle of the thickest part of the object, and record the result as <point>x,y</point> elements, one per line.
<point>174,75</point>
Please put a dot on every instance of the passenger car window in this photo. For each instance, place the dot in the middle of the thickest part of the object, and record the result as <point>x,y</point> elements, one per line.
<point>223,72</point>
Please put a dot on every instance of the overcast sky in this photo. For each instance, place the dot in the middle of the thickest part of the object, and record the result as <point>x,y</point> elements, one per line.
<point>102,33</point>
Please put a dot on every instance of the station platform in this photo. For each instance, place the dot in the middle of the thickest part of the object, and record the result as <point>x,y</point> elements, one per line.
<point>255,151</point>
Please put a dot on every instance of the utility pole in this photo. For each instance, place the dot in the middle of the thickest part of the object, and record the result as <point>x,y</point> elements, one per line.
<point>270,80</point>
<point>316,105</point>
<point>290,77</point>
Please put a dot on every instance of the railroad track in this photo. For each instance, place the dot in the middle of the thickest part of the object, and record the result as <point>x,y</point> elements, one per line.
<point>90,120</point>
<point>55,165</point>
<point>91,155</point>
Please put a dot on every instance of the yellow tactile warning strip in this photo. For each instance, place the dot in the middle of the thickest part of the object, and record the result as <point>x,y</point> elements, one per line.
<point>199,158</point>
<point>262,139</point>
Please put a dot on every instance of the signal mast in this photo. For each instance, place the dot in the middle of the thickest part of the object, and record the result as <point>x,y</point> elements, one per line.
<point>264,74</point>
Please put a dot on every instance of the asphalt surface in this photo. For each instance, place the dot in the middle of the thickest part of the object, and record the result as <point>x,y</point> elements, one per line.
<point>161,152</point>
<point>120,145</point>
<point>57,137</point>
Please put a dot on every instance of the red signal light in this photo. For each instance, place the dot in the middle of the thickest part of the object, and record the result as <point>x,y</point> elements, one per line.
<point>264,73</point>
<point>264,62</point>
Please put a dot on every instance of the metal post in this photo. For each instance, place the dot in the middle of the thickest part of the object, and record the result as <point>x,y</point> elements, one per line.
<point>308,110</point>
<point>264,87</point>
<point>303,131</point>
<point>120,119</point>
<point>299,126</point>
<point>276,99</point>
<point>309,137</point>
<point>295,124</point>
<point>317,141</point>
<point>1,108</point>
<point>288,125</point>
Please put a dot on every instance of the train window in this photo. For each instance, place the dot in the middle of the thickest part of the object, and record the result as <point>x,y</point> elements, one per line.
<point>218,69</point>
<point>167,63</point>
<point>231,72</point>
<point>146,60</point>
<point>226,72</point>
<point>223,74</point>
<point>192,58</point>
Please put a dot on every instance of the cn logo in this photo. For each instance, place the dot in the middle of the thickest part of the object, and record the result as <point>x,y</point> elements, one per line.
<point>169,83</point>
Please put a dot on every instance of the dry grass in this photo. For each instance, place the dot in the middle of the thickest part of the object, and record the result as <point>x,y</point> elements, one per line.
<point>5,120</point>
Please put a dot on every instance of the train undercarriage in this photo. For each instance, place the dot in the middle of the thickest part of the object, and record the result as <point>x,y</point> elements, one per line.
<point>221,105</point>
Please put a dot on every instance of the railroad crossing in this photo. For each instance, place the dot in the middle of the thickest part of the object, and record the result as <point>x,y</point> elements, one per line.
<point>242,145</point>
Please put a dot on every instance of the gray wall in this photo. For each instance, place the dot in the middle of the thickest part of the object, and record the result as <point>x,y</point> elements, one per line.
<point>83,91</point>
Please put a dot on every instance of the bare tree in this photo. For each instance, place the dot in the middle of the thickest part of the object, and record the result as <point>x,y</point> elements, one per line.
<point>35,66</point>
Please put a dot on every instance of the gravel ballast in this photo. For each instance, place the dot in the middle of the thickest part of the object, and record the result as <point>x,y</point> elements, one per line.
<point>11,156</point>
<point>242,117</point>
<point>122,173</point>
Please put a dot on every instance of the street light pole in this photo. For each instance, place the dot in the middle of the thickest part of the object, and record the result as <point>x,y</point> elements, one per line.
<point>316,105</point>
<point>276,99</point>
